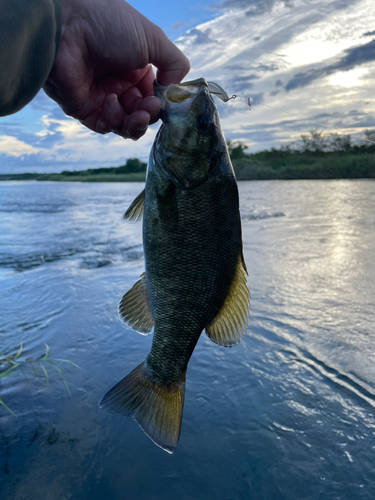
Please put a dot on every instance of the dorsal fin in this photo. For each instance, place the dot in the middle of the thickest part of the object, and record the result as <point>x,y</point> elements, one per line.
<point>230,324</point>
<point>134,308</point>
<point>135,211</point>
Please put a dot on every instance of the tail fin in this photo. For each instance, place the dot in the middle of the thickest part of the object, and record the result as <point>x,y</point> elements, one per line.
<point>157,408</point>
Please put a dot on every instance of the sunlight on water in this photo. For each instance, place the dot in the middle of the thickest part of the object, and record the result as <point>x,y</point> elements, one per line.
<point>289,413</point>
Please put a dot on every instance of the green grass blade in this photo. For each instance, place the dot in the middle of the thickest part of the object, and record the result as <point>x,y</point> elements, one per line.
<point>45,373</point>
<point>67,361</point>
<point>14,363</point>
<point>18,353</point>
<point>34,369</point>
<point>44,356</point>
<point>24,374</point>
<point>61,374</point>
<point>5,373</point>
<point>5,406</point>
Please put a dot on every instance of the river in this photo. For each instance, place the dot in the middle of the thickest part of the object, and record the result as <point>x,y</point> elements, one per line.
<point>289,413</point>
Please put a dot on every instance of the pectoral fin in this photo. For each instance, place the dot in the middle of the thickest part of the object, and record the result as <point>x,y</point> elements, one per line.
<point>135,211</point>
<point>134,309</point>
<point>230,324</point>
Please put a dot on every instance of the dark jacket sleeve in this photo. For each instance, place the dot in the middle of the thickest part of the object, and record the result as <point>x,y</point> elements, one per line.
<point>29,37</point>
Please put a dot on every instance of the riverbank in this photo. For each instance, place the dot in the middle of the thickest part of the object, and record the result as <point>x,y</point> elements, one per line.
<point>307,167</point>
<point>79,176</point>
<point>291,167</point>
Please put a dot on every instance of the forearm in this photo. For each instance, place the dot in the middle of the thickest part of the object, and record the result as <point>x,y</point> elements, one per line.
<point>29,38</point>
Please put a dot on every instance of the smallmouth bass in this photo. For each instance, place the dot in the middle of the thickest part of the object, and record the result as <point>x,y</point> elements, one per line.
<point>195,276</point>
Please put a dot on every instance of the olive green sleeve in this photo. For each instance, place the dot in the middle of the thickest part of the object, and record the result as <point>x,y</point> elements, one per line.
<point>29,36</point>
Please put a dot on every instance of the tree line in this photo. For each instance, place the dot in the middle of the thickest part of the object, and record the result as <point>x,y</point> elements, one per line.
<point>315,156</point>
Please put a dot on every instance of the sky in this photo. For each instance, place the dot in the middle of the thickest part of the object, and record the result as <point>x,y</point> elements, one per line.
<point>304,64</point>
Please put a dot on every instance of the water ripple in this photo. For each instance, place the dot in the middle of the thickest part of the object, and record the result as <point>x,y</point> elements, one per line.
<point>261,214</point>
<point>334,375</point>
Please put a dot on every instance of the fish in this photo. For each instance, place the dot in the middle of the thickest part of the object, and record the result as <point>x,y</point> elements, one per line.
<point>195,273</point>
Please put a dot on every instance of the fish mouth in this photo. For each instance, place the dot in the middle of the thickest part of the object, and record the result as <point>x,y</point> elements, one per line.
<point>179,92</point>
<point>173,93</point>
<point>178,98</point>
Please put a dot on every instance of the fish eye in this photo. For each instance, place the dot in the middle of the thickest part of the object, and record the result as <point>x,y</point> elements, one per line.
<point>202,122</point>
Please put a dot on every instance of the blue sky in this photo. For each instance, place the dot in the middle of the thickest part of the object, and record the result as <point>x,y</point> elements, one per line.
<point>310,59</point>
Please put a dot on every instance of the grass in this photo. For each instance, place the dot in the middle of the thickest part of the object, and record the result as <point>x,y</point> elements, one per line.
<point>36,366</point>
<point>307,167</point>
<point>315,156</point>
<point>133,170</point>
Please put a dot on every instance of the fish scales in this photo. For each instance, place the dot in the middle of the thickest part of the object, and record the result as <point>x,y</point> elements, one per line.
<point>195,273</point>
<point>189,291</point>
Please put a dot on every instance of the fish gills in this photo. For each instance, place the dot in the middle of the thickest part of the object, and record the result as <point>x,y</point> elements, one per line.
<point>157,408</point>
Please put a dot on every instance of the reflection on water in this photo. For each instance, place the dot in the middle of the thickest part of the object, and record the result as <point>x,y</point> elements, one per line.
<point>287,414</point>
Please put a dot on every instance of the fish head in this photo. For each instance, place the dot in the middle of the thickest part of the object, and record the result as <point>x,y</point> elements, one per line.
<point>190,135</point>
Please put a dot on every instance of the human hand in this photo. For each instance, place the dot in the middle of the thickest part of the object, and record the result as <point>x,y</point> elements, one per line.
<point>102,74</point>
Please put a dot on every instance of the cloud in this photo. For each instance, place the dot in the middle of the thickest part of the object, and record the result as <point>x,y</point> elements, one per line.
<point>251,7</point>
<point>243,83</point>
<point>183,25</point>
<point>355,56</point>
<point>177,26</point>
<point>369,33</point>
<point>285,131</point>
<point>9,126</point>
<point>200,37</point>
<point>257,68</point>
<point>260,46</point>
<point>66,144</point>
<point>11,146</point>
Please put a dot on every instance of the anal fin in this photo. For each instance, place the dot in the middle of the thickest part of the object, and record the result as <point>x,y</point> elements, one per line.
<point>135,211</point>
<point>134,309</point>
<point>230,324</point>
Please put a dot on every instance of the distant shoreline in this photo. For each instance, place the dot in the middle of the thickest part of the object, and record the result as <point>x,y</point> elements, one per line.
<point>325,167</point>
<point>318,156</point>
<point>135,177</point>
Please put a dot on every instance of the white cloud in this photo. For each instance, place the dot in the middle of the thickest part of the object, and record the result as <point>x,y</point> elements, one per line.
<point>66,143</point>
<point>350,78</point>
<point>80,145</point>
<point>258,55</point>
<point>11,146</point>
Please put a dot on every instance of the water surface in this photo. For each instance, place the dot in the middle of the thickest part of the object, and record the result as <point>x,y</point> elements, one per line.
<point>287,414</point>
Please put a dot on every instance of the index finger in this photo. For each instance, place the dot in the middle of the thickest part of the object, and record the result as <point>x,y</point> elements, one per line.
<point>171,63</point>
